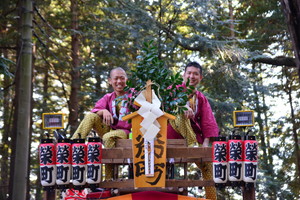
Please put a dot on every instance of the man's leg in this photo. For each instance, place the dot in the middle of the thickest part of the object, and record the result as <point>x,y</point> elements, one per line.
<point>207,173</point>
<point>91,121</point>
<point>94,121</point>
<point>182,125</point>
<point>109,140</point>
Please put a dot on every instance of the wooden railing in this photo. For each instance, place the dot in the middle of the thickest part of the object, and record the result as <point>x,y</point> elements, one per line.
<point>176,149</point>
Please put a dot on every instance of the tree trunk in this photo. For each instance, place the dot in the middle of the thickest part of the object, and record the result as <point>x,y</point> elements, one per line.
<point>259,113</point>
<point>294,127</point>
<point>291,9</point>
<point>75,73</point>
<point>230,6</point>
<point>13,133</point>
<point>263,126</point>
<point>19,184</point>
<point>267,132</point>
<point>39,194</point>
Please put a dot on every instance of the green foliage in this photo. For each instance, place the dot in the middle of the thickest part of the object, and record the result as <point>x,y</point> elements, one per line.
<point>168,87</point>
<point>112,34</point>
<point>4,66</point>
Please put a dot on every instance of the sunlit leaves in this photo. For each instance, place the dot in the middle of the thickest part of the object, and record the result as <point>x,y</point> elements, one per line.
<point>167,86</point>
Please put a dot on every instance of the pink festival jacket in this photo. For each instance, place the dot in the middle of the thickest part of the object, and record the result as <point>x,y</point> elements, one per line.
<point>106,103</point>
<point>203,123</point>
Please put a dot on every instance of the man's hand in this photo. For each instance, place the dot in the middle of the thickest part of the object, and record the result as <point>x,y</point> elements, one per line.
<point>205,142</point>
<point>189,113</point>
<point>106,116</point>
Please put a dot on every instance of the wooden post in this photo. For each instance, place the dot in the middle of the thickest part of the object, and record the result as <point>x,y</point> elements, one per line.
<point>248,193</point>
<point>149,145</point>
<point>148,92</point>
<point>49,195</point>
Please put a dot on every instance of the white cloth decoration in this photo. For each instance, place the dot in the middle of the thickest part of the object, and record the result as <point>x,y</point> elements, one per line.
<point>150,127</point>
<point>150,112</point>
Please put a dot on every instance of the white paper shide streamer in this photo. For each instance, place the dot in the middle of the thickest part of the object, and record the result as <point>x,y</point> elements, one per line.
<point>150,127</point>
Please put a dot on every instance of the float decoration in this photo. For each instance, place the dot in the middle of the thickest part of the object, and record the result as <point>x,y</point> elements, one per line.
<point>250,158</point>
<point>149,139</point>
<point>63,163</point>
<point>47,163</point>
<point>79,162</point>
<point>235,160</point>
<point>94,160</point>
<point>220,160</point>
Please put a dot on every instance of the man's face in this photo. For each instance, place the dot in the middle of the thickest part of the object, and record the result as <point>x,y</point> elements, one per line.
<point>118,80</point>
<point>193,74</point>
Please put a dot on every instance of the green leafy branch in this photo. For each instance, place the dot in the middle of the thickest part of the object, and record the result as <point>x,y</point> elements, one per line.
<point>4,66</point>
<point>168,86</point>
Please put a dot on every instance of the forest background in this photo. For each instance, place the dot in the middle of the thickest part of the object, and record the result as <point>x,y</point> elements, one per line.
<point>249,51</point>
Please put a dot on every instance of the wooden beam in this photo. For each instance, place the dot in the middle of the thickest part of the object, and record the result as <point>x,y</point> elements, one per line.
<point>127,143</point>
<point>174,190</point>
<point>129,183</point>
<point>172,152</point>
<point>176,160</point>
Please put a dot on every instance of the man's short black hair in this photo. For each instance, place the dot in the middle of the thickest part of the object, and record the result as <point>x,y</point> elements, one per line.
<point>194,64</point>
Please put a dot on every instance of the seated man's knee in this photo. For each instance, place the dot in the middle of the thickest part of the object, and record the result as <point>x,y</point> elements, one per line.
<point>92,116</point>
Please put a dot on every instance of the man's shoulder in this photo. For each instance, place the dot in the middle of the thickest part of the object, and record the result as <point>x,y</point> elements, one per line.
<point>109,95</point>
<point>200,94</point>
<point>201,97</point>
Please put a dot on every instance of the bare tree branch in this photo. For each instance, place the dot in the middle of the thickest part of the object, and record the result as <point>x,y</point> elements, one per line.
<point>278,61</point>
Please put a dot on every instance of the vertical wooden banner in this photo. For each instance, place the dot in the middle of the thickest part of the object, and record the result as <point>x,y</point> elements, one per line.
<point>160,147</point>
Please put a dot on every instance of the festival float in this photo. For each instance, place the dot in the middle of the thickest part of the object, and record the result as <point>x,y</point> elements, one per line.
<point>76,169</point>
<point>149,152</point>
